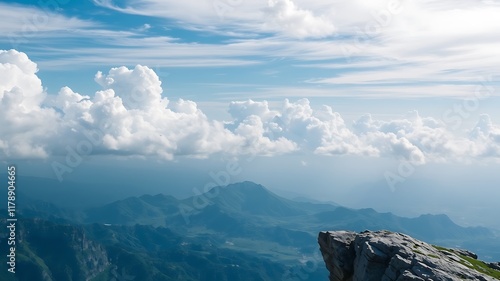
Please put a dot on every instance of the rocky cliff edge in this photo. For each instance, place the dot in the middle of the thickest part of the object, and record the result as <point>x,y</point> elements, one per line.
<point>389,256</point>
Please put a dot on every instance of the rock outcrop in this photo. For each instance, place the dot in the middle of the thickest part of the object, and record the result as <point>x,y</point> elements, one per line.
<point>389,256</point>
<point>57,252</point>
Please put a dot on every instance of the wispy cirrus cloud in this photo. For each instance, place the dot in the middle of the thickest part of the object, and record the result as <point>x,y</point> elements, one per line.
<point>282,17</point>
<point>18,20</point>
<point>363,49</point>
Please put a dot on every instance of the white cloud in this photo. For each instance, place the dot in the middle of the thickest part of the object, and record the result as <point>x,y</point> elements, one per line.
<point>241,109</point>
<point>278,16</point>
<point>428,41</point>
<point>414,138</point>
<point>487,135</point>
<point>322,131</point>
<point>139,88</point>
<point>23,23</point>
<point>297,22</point>
<point>257,139</point>
<point>130,116</point>
<point>23,132</point>
<point>144,27</point>
<point>18,73</point>
<point>442,45</point>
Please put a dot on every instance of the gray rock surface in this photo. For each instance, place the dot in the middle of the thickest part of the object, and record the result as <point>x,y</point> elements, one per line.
<point>494,265</point>
<point>389,256</point>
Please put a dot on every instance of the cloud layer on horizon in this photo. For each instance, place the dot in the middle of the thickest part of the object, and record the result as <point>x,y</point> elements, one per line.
<point>130,116</point>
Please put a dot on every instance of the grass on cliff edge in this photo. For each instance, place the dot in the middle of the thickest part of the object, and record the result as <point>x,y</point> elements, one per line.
<point>477,265</point>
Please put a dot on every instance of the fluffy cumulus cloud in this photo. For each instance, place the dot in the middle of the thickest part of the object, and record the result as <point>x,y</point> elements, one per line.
<point>297,126</point>
<point>487,135</point>
<point>26,127</point>
<point>130,116</point>
<point>412,138</point>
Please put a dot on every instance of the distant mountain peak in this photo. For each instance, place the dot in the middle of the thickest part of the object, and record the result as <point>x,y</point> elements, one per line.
<point>245,185</point>
<point>160,197</point>
<point>253,198</point>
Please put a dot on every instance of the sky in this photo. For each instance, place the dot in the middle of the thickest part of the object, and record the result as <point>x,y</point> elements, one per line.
<point>354,100</point>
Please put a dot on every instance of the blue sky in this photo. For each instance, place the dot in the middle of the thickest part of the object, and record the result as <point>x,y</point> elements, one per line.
<point>429,49</point>
<point>388,83</point>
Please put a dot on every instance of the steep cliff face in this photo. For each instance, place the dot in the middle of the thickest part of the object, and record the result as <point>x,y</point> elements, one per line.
<point>48,251</point>
<point>388,256</point>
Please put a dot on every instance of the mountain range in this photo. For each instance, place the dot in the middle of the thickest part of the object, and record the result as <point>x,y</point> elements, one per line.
<point>241,231</point>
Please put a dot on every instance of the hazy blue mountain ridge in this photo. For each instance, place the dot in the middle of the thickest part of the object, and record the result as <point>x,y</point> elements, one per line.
<point>237,228</point>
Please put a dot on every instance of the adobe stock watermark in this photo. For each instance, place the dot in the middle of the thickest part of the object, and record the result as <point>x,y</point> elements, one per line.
<point>36,22</point>
<point>406,168</point>
<point>363,35</point>
<point>223,7</point>
<point>203,198</point>
<point>136,98</point>
<point>121,276</point>
<point>12,219</point>
<point>463,110</point>
<point>91,138</point>
<point>302,271</point>
<point>76,154</point>
<point>454,118</point>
